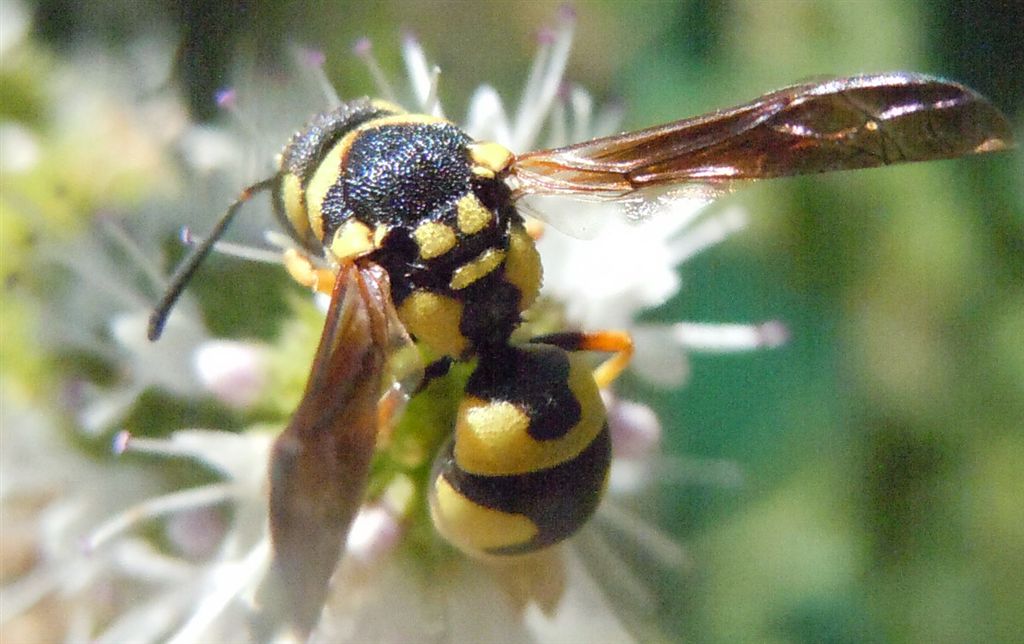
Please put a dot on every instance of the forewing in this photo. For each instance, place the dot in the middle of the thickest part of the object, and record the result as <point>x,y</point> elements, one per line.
<point>842,124</point>
<point>320,463</point>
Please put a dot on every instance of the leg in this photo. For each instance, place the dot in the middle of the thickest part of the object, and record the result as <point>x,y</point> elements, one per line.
<point>436,369</point>
<point>619,343</point>
<point>301,268</point>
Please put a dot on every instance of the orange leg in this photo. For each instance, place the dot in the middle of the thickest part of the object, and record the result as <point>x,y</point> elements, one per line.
<point>619,343</point>
<point>302,270</point>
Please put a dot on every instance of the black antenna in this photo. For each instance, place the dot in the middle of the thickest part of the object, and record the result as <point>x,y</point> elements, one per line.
<point>185,271</point>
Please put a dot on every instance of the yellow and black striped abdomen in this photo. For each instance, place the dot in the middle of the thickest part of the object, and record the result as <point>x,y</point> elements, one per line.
<point>529,459</point>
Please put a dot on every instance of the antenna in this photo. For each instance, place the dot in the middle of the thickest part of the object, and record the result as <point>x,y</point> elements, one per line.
<point>185,271</point>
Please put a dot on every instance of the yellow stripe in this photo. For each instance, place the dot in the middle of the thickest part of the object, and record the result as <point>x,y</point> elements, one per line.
<point>400,119</point>
<point>471,271</point>
<point>491,437</point>
<point>326,175</point>
<point>474,528</point>
<point>294,204</point>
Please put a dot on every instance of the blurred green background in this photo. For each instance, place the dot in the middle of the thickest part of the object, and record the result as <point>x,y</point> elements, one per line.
<point>883,447</point>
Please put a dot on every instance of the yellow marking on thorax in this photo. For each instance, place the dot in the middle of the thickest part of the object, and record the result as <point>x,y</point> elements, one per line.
<point>353,239</point>
<point>473,216</point>
<point>489,158</point>
<point>523,268</point>
<point>434,320</point>
<point>473,527</point>
<point>471,271</point>
<point>434,239</point>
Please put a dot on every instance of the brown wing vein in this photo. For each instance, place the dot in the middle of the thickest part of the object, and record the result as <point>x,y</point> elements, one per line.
<point>842,124</point>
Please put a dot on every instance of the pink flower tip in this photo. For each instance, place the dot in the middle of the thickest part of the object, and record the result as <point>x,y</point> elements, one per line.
<point>409,37</point>
<point>313,57</point>
<point>120,443</point>
<point>774,334</point>
<point>362,47</point>
<point>226,98</point>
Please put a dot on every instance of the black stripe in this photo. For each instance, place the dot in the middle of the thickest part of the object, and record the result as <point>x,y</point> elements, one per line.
<point>534,378</point>
<point>559,500</point>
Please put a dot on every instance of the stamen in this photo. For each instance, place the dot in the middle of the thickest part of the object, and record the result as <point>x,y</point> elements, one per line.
<point>146,621</point>
<point>279,240</point>
<point>231,249</point>
<point>558,120</point>
<point>363,48</point>
<point>529,99</point>
<point>545,39</point>
<point>544,80</point>
<point>713,230</point>
<point>417,68</point>
<point>156,507</point>
<point>174,448</point>
<point>117,232</point>
<point>226,99</point>
<point>226,582</point>
<point>140,560</point>
<point>108,406</point>
<point>615,575</point>
<point>487,119</point>
<point>650,540</point>
<point>432,105</point>
<point>635,429</point>
<point>707,472</point>
<point>313,60</point>
<point>609,118</point>
<point>729,338</point>
<point>582,113</point>
<point>90,267</point>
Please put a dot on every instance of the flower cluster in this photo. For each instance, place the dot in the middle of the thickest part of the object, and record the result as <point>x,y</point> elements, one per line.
<point>128,551</point>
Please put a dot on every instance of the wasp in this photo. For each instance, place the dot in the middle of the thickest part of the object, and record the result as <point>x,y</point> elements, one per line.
<point>412,227</point>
